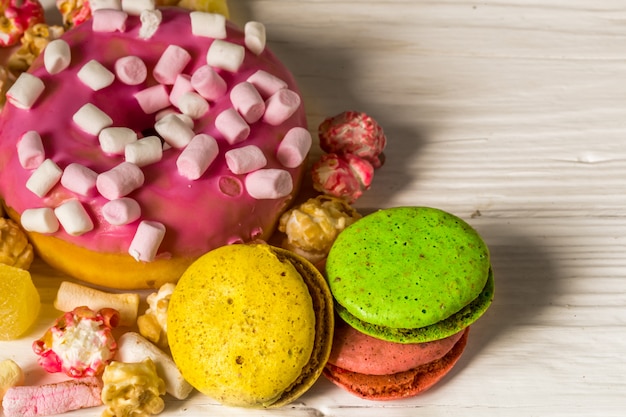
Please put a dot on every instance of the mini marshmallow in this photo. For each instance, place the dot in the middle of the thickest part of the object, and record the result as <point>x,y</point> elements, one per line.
<point>208,83</point>
<point>171,63</point>
<point>269,184</point>
<point>247,101</point>
<point>96,5</point>
<point>30,151</point>
<point>150,22</point>
<point>209,25</point>
<point>25,91</point>
<point>145,151</point>
<point>193,105</point>
<point>135,7</point>
<point>46,176</point>
<point>121,211</point>
<point>95,75</point>
<point>255,37</point>
<point>174,131</point>
<point>245,159</point>
<point>91,119</point>
<point>74,218</point>
<point>113,140</point>
<point>183,117</point>
<point>281,106</point>
<point>153,99</point>
<point>232,126</point>
<point>196,158</point>
<point>57,56</point>
<point>79,179</point>
<point>181,86</point>
<point>108,20</point>
<point>131,70</point>
<point>294,147</point>
<point>146,241</point>
<point>39,220</point>
<point>225,55</point>
<point>266,84</point>
<point>120,181</point>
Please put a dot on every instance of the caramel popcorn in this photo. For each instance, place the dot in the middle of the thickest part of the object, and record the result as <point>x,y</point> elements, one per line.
<point>153,324</point>
<point>6,81</point>
<point>15,250</point>
<point>132,389</point>
<point>312,227</point>
<point>34,41</point>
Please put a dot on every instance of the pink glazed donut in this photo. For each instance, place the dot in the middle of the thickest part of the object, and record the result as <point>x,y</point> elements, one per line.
<point>126,153</point>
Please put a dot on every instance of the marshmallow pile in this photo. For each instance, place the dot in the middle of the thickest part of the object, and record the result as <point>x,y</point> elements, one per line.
<point>177,100</point>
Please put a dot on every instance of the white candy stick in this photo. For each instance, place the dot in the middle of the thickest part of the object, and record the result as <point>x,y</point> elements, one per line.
<point>57,56</point>
<point>210,25</point>
<point>208,83</point>
<point>145,151</point>
<point>46,176</point>
<point>281,106</point>
<point>181,86</point>
<point>79,179</point>
<point>121,211</point>
<point>108,20</point>
<point>245,159</point>
<point>95,75</point>
<point>171,63</point>
<point>225,55</point>
<point>25,91</point>
<point>113,140</point>
<point>247,101</point>
<point>74,218</point>
<point>91,119</point>
<point>135,7</point>
<point>146,241</point>
<point>193,105</point>
<point>120,180</point>
<point>232,126</point>
<point>269,183</point>
<point>30,151</point>
<point>294,147</point>
<point>105,4</point>
<point>131,70</point>
<point>150,22</point>
<point>153,99</point>
<point>40,220</point>
<point>255,37</point>
<point>174,131</point>
<point>195,159</point>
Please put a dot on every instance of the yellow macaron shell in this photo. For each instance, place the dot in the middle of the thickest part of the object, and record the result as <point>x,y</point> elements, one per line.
<point>241,325</point>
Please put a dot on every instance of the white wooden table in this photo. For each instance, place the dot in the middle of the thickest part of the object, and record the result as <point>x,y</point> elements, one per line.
<point>512,115</point>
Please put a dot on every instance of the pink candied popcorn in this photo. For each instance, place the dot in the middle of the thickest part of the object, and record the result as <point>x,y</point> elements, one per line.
<point>17,17</point>
<point>79,343</point>
<point>74,12</point>
<point>344,176</point>
<point>355,133</point>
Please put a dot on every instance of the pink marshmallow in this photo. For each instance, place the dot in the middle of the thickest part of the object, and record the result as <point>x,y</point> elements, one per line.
<point>245,159</point>
<point>208,83</point>
<point>131,70</point>
<point>248,102</point>
<point>74,218</point>
<point>146,241</point>
<point>196,158</point>
<point>269,184</point>
<point>79,179</point>
<point>108,20</point>
<point>294,147</point>
<point>232,126</point>
<point>121,211</point>
<point>181,86</point>
<point>281,106</point>
<point>119,181</point>
<point>171,63</point>
<point>153,99</point>
<point>266,84</point>
<point>30,150</point>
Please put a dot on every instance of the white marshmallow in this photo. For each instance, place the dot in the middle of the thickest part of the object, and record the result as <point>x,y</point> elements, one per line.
<point>153,99</point>
<point>119,181</point>
<point>135,7</point>
<point>193,105</point>
<point>30,151</point>
<point>171,63</point>
<point>255,37</point>
<point>146,241</point>
<point>74,218</point>
<point>46,176</point>
<point>266,84</point>
<point>294,147</point>
<point>208,83</point>
<point>174,131</point>
<point>245,159</point>
<point>145,151</point>
<point>113,140</point>
<point>281,106</point>
<point>91,119</point>
<point>121,211</point>
<point>25,91</point>
<point>96,5</point>
<point>57,56</point>
<point>181,86</point>
<point>131,70</point>
<point>209,25</point>
<point>247,101</point>
<point>95,75</point>
<point>39,220</point>
<point>79,179</point>
<point>269,184</point>
<point>108,20</point>
<point>195,159</point>
<point>225,55</point>
<point>150,22</point>
<point>232,126</point>
<point>183,117</point>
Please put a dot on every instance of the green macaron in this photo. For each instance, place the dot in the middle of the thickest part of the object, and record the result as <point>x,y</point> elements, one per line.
<point>410,274</point>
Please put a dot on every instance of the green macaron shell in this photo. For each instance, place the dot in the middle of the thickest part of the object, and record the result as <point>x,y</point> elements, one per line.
<point>408,268</point>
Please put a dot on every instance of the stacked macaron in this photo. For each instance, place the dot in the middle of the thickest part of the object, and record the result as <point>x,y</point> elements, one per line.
<point>407,283</point>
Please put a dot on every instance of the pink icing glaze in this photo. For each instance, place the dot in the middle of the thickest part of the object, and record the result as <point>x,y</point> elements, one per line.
<point>199,215</point>
<point>358,352</point>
